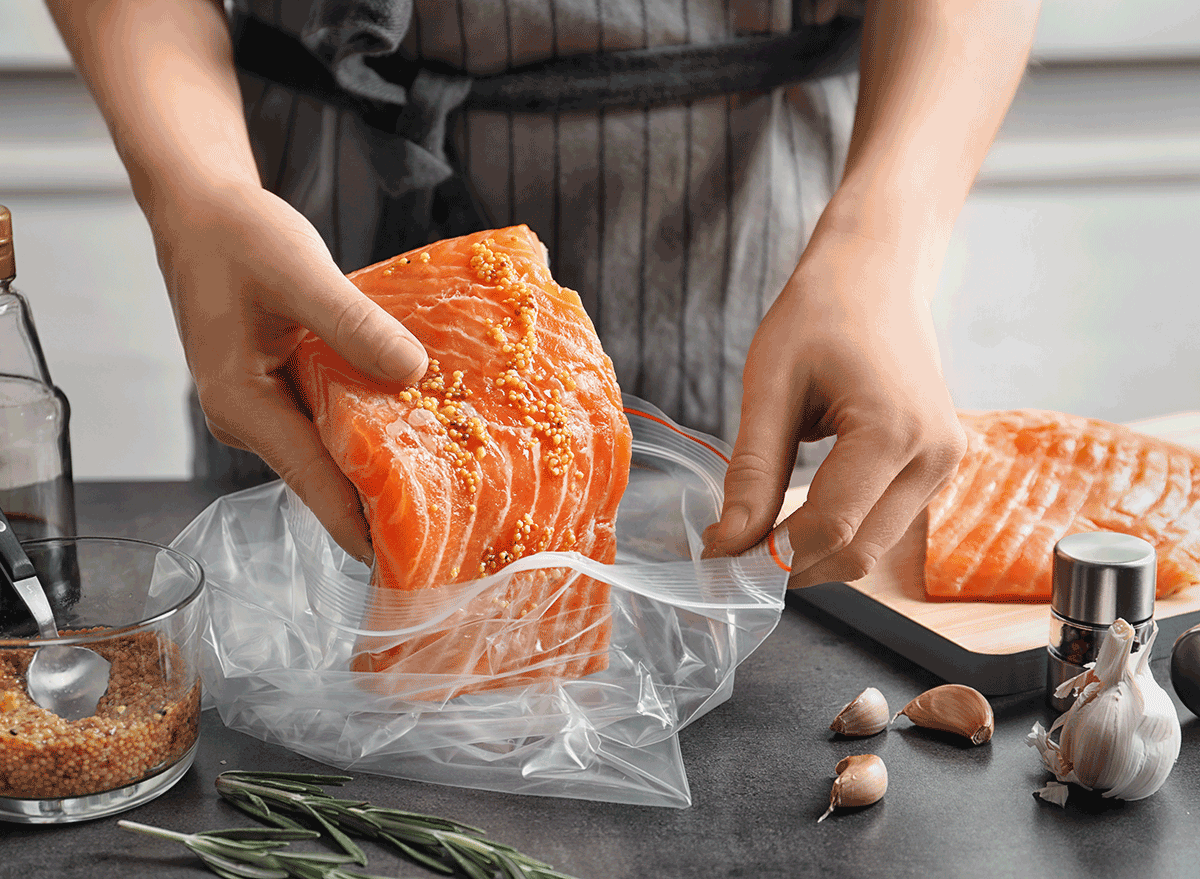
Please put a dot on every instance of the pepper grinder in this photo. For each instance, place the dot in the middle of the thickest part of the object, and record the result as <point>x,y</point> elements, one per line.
<point>1099,576</point>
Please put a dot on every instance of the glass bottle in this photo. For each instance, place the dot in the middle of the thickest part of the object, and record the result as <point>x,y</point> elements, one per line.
<point>37,491</point>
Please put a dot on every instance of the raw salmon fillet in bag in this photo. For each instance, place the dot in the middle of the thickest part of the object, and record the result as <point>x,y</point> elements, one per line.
<point>514,442</point>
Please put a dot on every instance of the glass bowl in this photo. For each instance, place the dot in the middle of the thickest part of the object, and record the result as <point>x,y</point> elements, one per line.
<point>136,604</point>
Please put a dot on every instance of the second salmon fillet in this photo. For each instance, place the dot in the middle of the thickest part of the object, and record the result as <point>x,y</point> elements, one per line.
<point>1030,477</point>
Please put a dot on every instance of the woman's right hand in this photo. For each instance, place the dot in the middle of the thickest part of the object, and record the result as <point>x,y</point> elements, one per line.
<point>247,275</point>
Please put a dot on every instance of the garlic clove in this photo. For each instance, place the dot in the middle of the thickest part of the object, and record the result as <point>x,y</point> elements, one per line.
<point>867,715</point>
<point>954,708</point>
<point>861,780</point>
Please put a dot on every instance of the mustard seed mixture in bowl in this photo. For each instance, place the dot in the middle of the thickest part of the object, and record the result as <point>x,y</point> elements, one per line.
<point>136,604</point>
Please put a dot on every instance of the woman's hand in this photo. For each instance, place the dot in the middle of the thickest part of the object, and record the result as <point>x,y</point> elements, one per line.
<point>247,276</point>
<point>847,350</point>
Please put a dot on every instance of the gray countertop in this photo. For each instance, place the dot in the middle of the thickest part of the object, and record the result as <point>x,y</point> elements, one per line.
<point>760,768</point>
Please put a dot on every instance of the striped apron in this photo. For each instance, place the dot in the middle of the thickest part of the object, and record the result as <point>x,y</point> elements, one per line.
<point>677,222</point>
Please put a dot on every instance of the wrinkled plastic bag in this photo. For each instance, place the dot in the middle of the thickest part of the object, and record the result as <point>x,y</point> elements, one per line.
<point>284,611</point>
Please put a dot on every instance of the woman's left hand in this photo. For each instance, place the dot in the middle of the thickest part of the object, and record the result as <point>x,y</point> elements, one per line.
<point>847,350</point>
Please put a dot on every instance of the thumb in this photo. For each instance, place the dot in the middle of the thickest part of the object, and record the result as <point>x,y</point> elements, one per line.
<point>361,331</point>
<point>755,483</point>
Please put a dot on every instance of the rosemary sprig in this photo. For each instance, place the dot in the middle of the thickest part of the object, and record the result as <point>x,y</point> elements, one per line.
<point>437,843</point>
<point>254,853</point>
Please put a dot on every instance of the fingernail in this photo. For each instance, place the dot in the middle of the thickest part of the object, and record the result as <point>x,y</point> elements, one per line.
<point>404,360</point>
<point>733,522</point>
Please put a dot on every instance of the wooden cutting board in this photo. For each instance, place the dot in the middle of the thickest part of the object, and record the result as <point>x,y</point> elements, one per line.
<point>996,648</point>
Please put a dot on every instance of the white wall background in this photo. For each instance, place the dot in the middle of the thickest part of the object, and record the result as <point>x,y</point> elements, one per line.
<point>1071,282</point>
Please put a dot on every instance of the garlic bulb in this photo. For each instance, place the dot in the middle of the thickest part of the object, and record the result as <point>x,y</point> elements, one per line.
<point>1121,736</point>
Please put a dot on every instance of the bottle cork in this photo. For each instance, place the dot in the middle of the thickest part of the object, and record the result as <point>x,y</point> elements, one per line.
<point>8,258</point>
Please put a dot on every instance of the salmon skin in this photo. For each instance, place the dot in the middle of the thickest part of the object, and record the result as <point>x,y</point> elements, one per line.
<point>514,442</point>
<point>1030,477</point>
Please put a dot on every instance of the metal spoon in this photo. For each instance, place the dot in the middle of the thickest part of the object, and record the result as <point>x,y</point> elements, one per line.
<point>66,680</point>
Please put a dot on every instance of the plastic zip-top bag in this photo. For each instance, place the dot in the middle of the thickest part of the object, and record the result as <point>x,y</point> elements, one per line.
<point>288,612</point>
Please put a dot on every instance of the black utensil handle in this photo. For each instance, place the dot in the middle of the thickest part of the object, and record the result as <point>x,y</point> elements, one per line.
<point>16,564</point>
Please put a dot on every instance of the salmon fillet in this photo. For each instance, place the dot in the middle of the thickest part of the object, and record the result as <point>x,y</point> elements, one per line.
<point>514,442</point>
<point>1033,476</point>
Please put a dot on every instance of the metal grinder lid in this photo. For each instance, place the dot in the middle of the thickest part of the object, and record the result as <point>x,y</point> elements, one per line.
<point>1100,576</point>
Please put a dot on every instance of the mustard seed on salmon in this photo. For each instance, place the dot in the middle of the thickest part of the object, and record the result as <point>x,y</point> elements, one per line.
<point>146,721</point>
